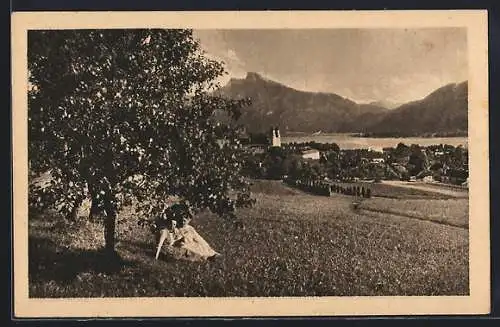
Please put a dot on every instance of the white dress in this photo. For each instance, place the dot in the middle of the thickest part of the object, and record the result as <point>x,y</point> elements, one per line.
<point>184,243</point>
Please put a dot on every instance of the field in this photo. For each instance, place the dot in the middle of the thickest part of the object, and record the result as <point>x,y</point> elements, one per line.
<point>398,192</point>
<point>460,190</point>
<point>453,212</point>
<point>289,244</point>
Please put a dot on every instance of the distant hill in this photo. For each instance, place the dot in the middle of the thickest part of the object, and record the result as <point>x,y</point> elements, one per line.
<point>275,104</point>
<point>386,104</point>
<point>442,111</point>
<point>293,110</point>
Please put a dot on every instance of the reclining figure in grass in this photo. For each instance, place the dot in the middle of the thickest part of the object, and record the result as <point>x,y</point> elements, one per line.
<point>183,242</point>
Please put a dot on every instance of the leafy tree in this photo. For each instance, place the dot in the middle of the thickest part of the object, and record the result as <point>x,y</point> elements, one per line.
<point>286,165</point>
<point>417,160</point>
<point>317,171</point>
<point>333,164</point>
<point>276,151</point>
<point>402,150</point>
<point>350,159</point>
<point>251,165</point>
<point>127,116</point>
<point>459,156</point>
<point>273,164</point>
<point>296,168</point>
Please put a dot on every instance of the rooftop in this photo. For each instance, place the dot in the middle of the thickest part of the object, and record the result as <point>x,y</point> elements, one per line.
<point>309,151</point>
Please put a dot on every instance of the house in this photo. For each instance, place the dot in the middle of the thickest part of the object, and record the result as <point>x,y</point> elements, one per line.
<point>428,179</point>
<point>311,154</point>
<point>257,148</point>
<point>378,160</point>
<point>375,149</point>
<point>256,143</point>
<point>243,136</point>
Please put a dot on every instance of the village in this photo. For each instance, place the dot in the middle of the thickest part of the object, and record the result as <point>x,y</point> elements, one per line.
<point>268,157</point>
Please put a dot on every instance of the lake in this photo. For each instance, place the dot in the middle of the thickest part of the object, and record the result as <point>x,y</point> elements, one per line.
<point>346,141</point>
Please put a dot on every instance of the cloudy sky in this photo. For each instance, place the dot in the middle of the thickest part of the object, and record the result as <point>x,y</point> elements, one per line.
<point>364,65</point>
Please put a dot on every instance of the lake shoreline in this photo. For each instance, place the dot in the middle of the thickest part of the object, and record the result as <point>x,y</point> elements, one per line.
<point>372,136</point>
<point>384,136</point>
<point>348,141</point>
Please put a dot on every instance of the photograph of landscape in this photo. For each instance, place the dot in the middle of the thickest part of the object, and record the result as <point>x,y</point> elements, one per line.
<point>201,164</point>
<point>248,163</point>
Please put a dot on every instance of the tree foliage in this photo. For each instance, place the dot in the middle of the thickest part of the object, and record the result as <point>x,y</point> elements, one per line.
<point>127,116</point>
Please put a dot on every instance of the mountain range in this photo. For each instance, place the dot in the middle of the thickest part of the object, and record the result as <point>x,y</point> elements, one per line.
<point>386,104</point>
<point>275,104</point>
<point>443,111</point>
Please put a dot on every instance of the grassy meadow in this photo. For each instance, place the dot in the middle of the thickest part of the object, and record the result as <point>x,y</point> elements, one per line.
<point>290,244</point>
<point>396,192</point>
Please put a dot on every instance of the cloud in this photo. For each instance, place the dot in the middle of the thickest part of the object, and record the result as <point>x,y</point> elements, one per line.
<point>214,44</point>
<point>217,48</point>
<point>363,65</point>
<point>231,55</point>
<point>233,63</point>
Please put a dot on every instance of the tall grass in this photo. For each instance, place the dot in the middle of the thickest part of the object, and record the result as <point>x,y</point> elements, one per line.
<point>289,244</point>
<point>454,212</point>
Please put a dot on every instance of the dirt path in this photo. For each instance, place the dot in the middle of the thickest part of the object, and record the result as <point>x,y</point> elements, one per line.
<point>434,188</point>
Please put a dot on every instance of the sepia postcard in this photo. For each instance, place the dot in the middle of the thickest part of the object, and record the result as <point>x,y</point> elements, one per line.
<point>250,164</point>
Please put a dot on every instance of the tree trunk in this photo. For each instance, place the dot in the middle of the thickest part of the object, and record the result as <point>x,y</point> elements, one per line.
<point>94,208</point>
<point>74,211</point>
<point>109,227</point>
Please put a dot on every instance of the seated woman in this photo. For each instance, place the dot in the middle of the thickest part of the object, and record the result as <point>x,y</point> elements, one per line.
<point>173,226</point>
<point>180,213</point>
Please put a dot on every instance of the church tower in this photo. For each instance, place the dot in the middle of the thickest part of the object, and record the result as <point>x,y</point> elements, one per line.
<point>276,138</point>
